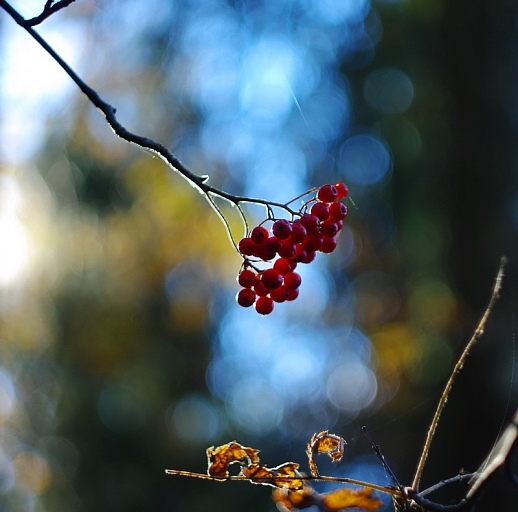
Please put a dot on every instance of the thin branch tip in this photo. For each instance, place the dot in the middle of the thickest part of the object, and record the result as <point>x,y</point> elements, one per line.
<point>479,330</point>
<point>49,9</point>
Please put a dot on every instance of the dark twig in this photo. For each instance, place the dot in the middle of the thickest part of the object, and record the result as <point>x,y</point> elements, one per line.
<point>49,9</point>
<point>436,507</point>
<point>496,457</point>
<point>458,367</point>
<point>306,478</point>
<point>198,182</point>
<point>453,480</point>
<point>381,457</point>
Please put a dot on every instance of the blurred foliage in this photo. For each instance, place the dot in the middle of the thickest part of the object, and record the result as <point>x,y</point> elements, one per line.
<point>122,351</point>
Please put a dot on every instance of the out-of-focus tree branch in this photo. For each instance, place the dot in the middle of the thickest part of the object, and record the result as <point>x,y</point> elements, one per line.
<point>49,9</point>
<point>198,181</point>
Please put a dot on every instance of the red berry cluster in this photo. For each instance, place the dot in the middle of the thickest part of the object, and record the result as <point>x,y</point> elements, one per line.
<point>291,242</point>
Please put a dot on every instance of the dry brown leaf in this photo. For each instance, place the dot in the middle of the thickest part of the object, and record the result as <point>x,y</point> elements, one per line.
<point>328,443</point>
<point>351,498</point>
<point>324,442</point>
<point>283,476</point>
<point>221,457</point>
<point>294,500</point>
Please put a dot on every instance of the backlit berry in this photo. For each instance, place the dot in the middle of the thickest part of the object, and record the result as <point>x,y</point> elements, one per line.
<point>312,242</point>
<point>247,278</point>
<point>260,289</point>
<point>259,235</point>
<point>287,248</point>
<point>342,190</point>
<point>264,305</point>
<point>308,257</point>
<point>285,266</point>
<point>292,294</point>
<point>327,193</point>
<point>281,229</point>
<point>298,232</point>
<point>300,254</point>
<point>269,249</point>
<point>337,211</point>
<point>321,210</point>
<point>279,294</point>
<point>292,280</point>
<point>328,245</point>
<point>245,297</point>
<point>247,247</point>
<point>273,243</point>
<point>271,278</point>
<point>310,222</point>
<point>328,228</point>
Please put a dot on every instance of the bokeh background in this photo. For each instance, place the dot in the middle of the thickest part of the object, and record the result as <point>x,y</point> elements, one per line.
<point>122,351</point>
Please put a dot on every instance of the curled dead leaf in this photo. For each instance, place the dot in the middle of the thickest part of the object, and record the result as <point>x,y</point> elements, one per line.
<point>221,457</point>
<point>283,476</point>
<point>324,442</point>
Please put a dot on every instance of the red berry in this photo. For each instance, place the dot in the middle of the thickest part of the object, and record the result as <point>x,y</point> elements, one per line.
<point>342,190</point>
<point>298,232</point>
<point>264,305</point>
<point>279,294</point>
<point>310,222</point>
<point>265,254</point>
<point>321,210</point>
<point>273,244</point>
<point>247,278</point>
<point>269,249</point>
<point>300,254</point>
<point>308,257</point>
<point>245,297</point>
<point>260,289</point>
<point>337,211</point>
<point>247,247</point>
<point>327,193</point>
<point>271,278</point>
<point>292,280</point>
<point>292,294</point>
<point>312,242</point>
<point>259,235</point>
<point>328,245</point>
<point>287,248</point>
<point>281,229</point>
<point>284,266</point>
<point>328,228</point>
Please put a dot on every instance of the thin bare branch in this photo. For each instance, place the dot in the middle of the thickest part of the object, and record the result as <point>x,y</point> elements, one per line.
<point>388,490</point>
<point>223,219</point>
<point>458,367</point>
<point>381,457</point>
<point>496,457</point>
<point>431,506</point>
<point>200,182</point>
<point>49,9</point>
<point>453,480</point>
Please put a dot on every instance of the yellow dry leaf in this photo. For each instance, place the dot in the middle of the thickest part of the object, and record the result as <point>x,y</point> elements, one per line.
<point>333,445</point>
<point>351,498</point>
<point>221,457</point>
<point>284,475</point>
<point>294,500</point>
<point>324,442</point>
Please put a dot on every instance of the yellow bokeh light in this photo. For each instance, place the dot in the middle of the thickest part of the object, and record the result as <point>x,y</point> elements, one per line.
<point>32,471</point>
<point>13,248</point>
